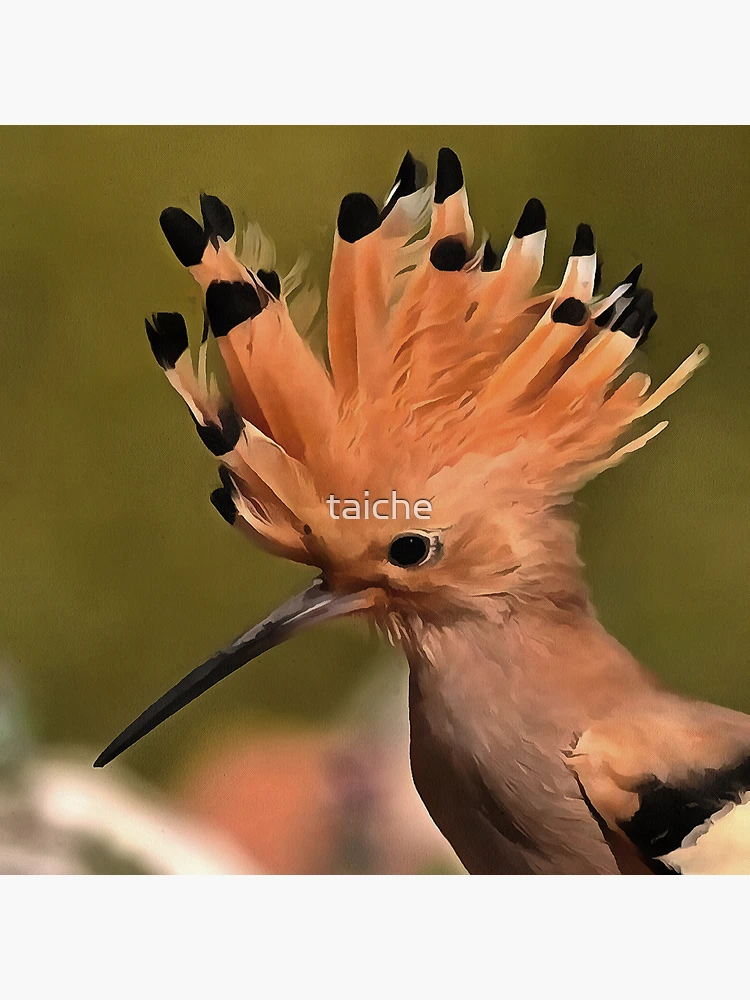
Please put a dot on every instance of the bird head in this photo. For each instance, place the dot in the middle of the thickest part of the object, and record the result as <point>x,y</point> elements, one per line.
<point>424,465</point>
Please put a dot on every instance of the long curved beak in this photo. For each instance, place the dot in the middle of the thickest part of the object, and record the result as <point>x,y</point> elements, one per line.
<point>314,605</point>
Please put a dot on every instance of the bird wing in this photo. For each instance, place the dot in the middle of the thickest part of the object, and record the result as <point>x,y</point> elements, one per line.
<point>669,782</point>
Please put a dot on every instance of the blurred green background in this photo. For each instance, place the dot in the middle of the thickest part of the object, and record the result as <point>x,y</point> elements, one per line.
<point>117,574</point>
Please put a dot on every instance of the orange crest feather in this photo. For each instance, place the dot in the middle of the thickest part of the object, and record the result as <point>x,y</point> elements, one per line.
<point>440,355</point>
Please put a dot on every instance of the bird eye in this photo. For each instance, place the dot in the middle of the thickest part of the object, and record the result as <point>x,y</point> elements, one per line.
<point>411,549</point>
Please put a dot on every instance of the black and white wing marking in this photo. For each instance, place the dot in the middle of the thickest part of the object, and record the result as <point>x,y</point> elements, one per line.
<point>699,827</point>
<point>673,782</point>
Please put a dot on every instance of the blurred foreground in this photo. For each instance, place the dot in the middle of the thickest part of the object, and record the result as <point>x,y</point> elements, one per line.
<point>336,802</point>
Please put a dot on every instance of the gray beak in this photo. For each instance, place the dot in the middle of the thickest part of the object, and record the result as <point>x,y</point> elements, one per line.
<point>314,605</point>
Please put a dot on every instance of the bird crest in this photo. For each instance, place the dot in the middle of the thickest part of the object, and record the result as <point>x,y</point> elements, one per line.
<point>448,380</point>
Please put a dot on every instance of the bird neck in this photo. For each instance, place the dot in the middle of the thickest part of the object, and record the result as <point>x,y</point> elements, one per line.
<point>494,706</point>
<point>534,655</point>
<point>500,690</point>
<point>546,658</point>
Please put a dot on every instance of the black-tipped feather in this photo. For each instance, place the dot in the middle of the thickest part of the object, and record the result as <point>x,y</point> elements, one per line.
<point>184,235</point>
<point>634,277</point>
<point>358,217</point>
<point>222,500</point>
<point>490,260</point>
<point>167,334</point>
<point>533,219</point>
<point>647,328</point>
<point>605,318</point>
<point>448,254</point>
<point>229,303</point>
<point>584,242</point>
<point>406,183</point>
<point>221,438</point>
<point>637,316</point>
<point>406,178</point>
<point>226,478</point>
<point>217,218</point>
<point>271,282</point>
<point>572,311</point>
<point>449,177</point>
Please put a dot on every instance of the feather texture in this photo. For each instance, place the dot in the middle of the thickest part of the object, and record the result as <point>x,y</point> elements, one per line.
<point>438,346</point>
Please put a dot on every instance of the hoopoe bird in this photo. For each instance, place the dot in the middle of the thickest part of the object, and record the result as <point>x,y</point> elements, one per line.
<point>538,744</point>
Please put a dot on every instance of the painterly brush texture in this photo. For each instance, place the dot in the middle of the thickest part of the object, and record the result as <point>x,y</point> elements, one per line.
<point>495,403</point>
<point>539,745</point>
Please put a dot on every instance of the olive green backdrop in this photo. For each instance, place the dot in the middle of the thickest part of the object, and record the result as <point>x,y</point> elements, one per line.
<point>117,574</point>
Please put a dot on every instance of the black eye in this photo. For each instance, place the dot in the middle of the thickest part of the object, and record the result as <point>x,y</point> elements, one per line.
<point>409,550</point>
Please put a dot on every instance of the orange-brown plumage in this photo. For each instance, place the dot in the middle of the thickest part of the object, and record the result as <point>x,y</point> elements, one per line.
<point>460,368</point>
<point>451,380</point>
